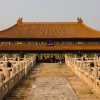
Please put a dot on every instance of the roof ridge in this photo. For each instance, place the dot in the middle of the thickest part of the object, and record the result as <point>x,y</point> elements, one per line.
<point>49,22</point>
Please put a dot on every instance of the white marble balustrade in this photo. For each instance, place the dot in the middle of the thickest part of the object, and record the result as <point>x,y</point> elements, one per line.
<point>10,76</point>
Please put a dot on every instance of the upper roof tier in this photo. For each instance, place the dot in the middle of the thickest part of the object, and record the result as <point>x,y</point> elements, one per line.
<point>49,30</point>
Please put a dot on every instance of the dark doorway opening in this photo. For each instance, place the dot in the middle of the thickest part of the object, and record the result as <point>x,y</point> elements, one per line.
<point>50,58</point>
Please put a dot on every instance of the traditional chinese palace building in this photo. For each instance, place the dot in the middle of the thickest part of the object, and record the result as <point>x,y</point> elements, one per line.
<point>49,36</point>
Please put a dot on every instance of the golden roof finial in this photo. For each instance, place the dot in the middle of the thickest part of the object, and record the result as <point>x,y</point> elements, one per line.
<point>20,19</point>
<point>79,19</point>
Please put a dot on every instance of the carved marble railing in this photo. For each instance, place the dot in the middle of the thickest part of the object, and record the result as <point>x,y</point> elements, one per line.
<point>14,74</point>
<point>88,70</point>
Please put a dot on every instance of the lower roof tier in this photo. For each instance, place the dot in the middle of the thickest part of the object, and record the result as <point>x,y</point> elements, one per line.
<point>70,47</point>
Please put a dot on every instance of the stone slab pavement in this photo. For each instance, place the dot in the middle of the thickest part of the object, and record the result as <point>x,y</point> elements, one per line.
<point>52,81</point>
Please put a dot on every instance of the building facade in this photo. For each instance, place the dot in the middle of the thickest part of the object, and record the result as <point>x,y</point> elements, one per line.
<point>50,36</point>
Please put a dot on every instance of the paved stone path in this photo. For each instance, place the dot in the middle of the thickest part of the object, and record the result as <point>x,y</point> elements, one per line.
<point>52,88</point>
<point>52,82</point>
<point>44,84</point>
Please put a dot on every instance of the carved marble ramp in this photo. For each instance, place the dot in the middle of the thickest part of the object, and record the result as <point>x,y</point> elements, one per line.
<point>43,88</point>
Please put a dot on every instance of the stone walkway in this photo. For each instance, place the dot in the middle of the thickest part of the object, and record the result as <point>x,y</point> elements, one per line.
<point>52,88</point>
<point>52,82</point>
<point>44,84</point>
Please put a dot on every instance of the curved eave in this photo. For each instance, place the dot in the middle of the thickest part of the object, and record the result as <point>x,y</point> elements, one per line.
<point>9,28</point>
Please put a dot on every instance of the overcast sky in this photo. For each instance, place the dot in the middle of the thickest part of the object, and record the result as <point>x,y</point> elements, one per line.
<point>50,10</point>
